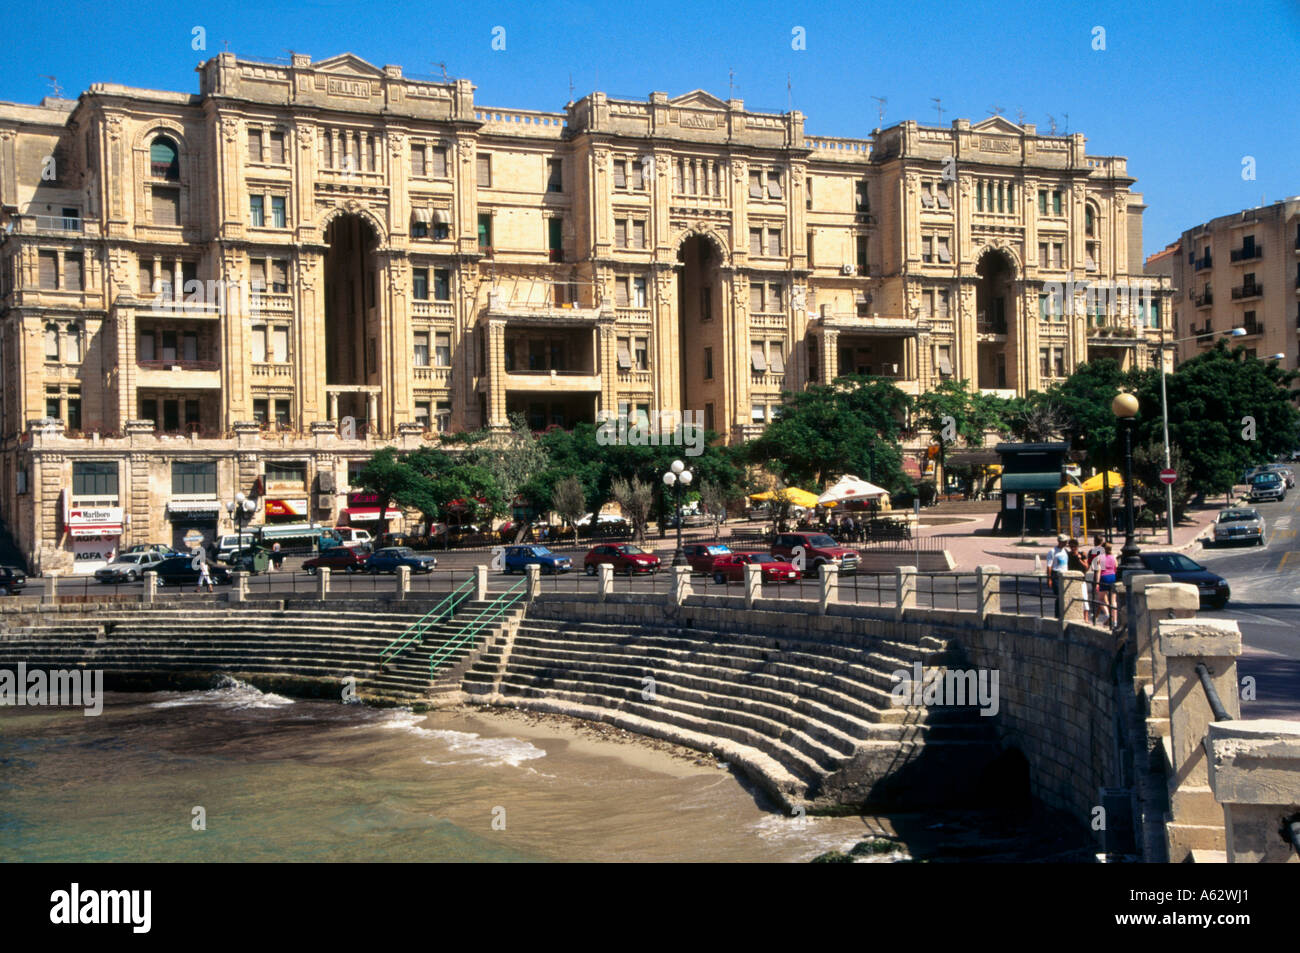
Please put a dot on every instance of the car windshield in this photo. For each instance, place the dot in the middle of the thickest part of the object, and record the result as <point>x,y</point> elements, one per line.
<point>134,558</point>
<point>630,550</point>
<point>717,550</point>
<point>1171,562</point>
<point>820,539</point>
<point>398,551</point>
<point>539,551</point>
<point>1268,476</point>
<point>1237,516</point>
<point>763,558</point>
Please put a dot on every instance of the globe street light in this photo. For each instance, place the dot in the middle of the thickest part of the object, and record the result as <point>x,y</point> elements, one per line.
<point>241,511</point>
<point>1125,407</point>
<point>677,477</point>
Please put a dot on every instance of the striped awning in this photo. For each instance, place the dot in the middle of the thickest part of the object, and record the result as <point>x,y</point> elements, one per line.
<point>194,506</point>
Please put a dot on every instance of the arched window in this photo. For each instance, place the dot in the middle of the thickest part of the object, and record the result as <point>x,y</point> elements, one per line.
<point>164,160</point>
<point>1089,221</point>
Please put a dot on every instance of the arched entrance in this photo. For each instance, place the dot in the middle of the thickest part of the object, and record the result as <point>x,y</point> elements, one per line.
<point>702,361</point>
<point>353,347</point>
<point>995,321</point>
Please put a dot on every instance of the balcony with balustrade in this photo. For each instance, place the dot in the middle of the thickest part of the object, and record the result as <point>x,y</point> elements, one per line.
<point>1247,291</point>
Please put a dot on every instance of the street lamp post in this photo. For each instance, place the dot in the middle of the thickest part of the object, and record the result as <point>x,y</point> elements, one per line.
<point>241,511</point>
<point>677,477</point>
<point>1125,407</point>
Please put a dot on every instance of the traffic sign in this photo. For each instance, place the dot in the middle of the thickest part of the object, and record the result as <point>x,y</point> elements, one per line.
<point>1168,477</point>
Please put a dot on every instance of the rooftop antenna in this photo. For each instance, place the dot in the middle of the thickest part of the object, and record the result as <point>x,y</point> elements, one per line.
<point>54,85</point>
<point>1066,131</point>
<point>938,107</point>
<point>1020,116</point>
<point>731,84</point>
<point>570,87</point>
<point>789,94</point>
<point>1051,124</point>
<point>996,110</point>
<point>443,68</point>
<point>880,107</point>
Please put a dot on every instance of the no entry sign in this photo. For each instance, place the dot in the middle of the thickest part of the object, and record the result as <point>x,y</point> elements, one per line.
<point>1169,477</point>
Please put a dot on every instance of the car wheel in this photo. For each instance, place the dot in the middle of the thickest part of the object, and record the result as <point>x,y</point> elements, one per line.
<point>591,569</point>
<point>720,579</point>
<point>1218,603</point>
<point>4,591</point>
<point>311,570</point>
<point>132,576</point>
<point>350,570</point>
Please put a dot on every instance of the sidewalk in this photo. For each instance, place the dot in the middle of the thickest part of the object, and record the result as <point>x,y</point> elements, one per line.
<point>973,544</point>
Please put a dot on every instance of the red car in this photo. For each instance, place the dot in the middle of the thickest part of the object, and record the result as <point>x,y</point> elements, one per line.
<point>818,548</point>
<point>702,555</point>
<point>731,568</point>
<point>338,559</point>
<point>624,557</point>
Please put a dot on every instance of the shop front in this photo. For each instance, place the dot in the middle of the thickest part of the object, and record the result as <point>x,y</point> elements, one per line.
<point>286,510</point>
<point>363,510</point>
<point>194,523</point>
<point>94,534</point>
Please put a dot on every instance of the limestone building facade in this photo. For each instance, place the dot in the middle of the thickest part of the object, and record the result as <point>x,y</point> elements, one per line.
<point>250,288</point>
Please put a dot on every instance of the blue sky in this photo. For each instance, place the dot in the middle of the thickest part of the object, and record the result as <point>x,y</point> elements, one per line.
<point>1185,90</point>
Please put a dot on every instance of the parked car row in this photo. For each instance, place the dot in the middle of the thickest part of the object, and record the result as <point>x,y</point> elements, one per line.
<point>389,560</point>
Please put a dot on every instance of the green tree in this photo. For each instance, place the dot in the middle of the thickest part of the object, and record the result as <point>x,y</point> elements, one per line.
<point>569,501</point>
<point>849,426</point>
<point>1227,411</point>
<point>1148,491</point>
<point>387,476</point>
<point>636,498</point>
<point>515,460</point>
<point>955,415</point>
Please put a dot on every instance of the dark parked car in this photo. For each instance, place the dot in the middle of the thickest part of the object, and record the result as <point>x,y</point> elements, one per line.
<point>184,571</point>
<point>1212,587</point>
<point>11,580</point>
<point>702,555</point>
<point>624,557</point>
<point>731,568</point>
<point>391,557</point>
<point>338,559</point>
<point>818,548</point>
<point>130,567</point>
<point>518,558</point>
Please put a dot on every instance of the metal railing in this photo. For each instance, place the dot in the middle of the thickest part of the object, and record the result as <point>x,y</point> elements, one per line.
<point>1211,695</point>
<point>470,631</point>
<point>438,614</point>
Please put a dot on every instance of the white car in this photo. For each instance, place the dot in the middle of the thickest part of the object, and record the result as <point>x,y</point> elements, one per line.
<point>1239,524</point>
<point>130,568</point>
<point>605,519</point>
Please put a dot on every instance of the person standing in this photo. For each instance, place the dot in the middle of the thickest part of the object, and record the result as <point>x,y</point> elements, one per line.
<point>1060,562</point>
<point>1106,570</point>
<point>1052,553</point>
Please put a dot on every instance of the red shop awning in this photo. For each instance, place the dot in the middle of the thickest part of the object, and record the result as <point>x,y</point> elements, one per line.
<point>83,531</point>
<point>367,514</point>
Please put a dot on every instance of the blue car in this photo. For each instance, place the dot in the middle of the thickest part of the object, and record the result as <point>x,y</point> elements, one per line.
<point>389,558</point>
<point>519,557</point>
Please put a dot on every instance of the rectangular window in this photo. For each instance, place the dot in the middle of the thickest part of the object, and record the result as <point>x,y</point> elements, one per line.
<point>278,219</point>
<point>861,242</point>
<point>941,304</point>
<point>774,242</point>
<point>756,185</point>
<point>438,162</point>
<point>641,354</point>
<point>254,145</point>
<point>620,292</point>
<point>620,174</point>
<point>444,416</point>
<point>775,299</point>
<point>423,409</point>
<point>279,276</point>
<point>484,167</point>
<point>49,270</point>
<point>757,359</point>
<point>166,206</point>
<point>758,413</point>
<point>94,479</point>
<point>442,349</point>
<point>485,233</point>
<point>927,249</point>
<point>259,343</point>
<point>554,175</point>
<point>756,292</point>
<point>189,346</point>
<point>441,284</point>
<point>257,274</point>
<point>420,352</point>
<point>1058,255</point>
<point>708,363</point>
<point>169,347</point>
<point>1091,254</point>
<point>942,197</point>
<point>620,233</point>
<point>145,346</point>
<point>624,354</point>
<point>945,255</point>
<point>294,473</point>
<point>280,345</point>
<point>74,412</point>
<point>756,242</point>
<point>638,233</point>
<point>979,196</point>
<point>277,148</point>
<point>1042,201</point>
<point>420,284</point>
<point>417,162</point>
<point>1043,259</point>
<point>194,479</point>
<point>774,185</point>
<point>863,203</point>
<point>1044,363</point>
<point>260,412</point>
<point>256,211</point>
<point>1058,361</point>
<point>638,293</point>
<point>555,238</point>
<point>1056,203</point>
<point>776,356</point>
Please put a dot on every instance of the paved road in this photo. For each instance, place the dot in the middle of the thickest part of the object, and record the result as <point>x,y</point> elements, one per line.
<point>1266,605</point>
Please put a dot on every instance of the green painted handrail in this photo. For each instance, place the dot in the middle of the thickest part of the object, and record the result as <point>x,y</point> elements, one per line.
<point>476,625</point>
<point>437,614</point>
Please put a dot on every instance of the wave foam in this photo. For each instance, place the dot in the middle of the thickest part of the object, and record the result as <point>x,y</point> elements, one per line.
<point>230,693</point>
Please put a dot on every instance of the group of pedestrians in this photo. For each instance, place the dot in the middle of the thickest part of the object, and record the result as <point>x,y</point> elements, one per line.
<point>1099,569</point>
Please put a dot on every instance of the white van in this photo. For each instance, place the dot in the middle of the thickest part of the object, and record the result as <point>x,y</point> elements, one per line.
<point>228,544</point>
<point>353,537</point>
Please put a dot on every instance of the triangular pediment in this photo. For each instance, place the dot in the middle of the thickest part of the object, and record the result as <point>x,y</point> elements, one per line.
<point>998,124</point>
<point>347,64</point>
<point>699,99</point>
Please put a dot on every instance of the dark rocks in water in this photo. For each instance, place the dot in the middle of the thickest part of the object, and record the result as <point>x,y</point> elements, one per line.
<point>832,857</point>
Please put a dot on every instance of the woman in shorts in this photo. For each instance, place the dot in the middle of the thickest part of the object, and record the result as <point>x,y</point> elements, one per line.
<point>1106,569</point>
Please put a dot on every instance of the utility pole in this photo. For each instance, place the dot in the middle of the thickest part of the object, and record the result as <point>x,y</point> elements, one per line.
<point>880,108</point>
